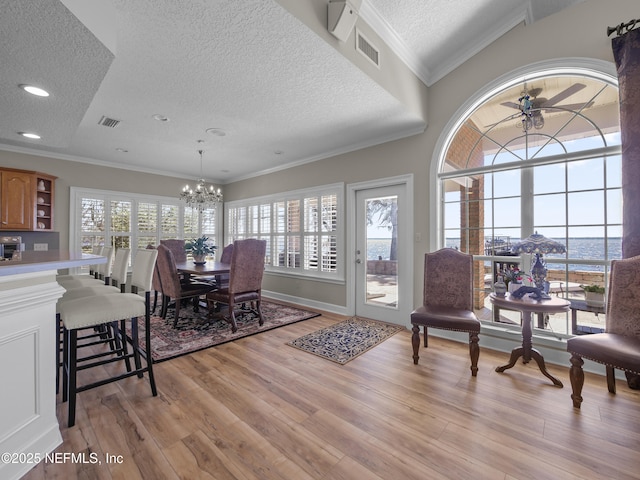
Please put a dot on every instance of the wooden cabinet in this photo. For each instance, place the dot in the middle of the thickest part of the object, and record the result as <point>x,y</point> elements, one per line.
<point>26,200</point>
<point>44,202</point>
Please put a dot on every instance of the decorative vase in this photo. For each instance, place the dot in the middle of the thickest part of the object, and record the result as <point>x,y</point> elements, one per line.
<point>500,288</point>
<point>200,259</point>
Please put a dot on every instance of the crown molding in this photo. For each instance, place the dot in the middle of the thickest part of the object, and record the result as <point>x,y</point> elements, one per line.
<point>379,24</point>
<point>428,75</point>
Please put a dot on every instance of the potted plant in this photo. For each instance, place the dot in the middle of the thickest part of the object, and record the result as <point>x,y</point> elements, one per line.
<point>199,248</point>
<point>594,295</point>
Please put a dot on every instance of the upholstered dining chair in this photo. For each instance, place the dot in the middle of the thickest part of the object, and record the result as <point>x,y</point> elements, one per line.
<point>222,280</point>
<point>245,280</point>
<point>447,300</point>
<point>176,245</point>
<point>619,346</point>
<point>173,288</point>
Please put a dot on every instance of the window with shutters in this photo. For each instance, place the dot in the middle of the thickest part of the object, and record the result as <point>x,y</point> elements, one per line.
<point>301,229</point>
<point>129,220</point>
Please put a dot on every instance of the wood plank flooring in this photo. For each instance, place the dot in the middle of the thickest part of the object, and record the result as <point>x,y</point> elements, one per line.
<point>259,409</point>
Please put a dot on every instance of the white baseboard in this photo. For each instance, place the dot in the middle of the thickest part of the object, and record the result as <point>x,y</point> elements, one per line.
<point>305,302</point>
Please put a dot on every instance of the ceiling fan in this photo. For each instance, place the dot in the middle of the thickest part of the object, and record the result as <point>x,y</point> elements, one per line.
<point>531,105</point>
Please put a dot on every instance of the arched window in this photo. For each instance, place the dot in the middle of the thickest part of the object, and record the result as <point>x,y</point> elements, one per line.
<point>539,153</point>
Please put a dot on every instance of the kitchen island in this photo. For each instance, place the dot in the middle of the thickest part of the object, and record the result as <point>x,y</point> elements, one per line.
<point>28,356</point>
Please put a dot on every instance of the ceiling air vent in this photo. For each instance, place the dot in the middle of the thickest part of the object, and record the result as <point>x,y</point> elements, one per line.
<point>366,48</point>
<point>108,122</point>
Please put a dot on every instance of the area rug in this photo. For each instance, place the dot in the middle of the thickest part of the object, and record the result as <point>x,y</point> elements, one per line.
<point>345,340</point>
<point>196,332</point>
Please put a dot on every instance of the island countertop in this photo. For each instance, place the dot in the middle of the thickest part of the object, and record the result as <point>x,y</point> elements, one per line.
<point>33,261</point>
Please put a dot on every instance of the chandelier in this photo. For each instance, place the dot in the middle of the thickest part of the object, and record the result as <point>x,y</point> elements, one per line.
<point>203,196</point>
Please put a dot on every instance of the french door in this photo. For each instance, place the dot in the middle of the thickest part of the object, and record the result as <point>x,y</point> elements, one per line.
<point>381,253</point>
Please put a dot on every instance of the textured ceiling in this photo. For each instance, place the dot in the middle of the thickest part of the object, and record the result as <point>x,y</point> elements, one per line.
<point>280,92</point>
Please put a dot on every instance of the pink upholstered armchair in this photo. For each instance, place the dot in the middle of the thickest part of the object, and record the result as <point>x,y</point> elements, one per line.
<point>619,346</point>
<point>245,280</point>
<point>447,300</point>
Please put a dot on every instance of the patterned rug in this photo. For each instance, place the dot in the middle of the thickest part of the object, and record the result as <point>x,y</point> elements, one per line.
<point>196,332</point>
<point>345,340</point>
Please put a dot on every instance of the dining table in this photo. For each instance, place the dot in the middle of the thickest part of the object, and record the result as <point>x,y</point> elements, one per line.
<point>210,267</point>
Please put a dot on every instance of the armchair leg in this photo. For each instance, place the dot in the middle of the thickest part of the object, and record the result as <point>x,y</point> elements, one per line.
<point>611,379</point>
<point>576,375</point>
<point>474,352</point>
<point>415,342</point>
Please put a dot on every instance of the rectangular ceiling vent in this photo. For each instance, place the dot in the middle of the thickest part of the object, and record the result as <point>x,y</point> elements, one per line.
<point>366,48</point>
<point>108,122</point>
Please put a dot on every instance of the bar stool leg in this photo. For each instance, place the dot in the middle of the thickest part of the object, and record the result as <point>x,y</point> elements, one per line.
<point>72,352</point>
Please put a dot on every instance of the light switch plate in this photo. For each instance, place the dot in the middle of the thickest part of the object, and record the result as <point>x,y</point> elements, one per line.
<point>40,247</point>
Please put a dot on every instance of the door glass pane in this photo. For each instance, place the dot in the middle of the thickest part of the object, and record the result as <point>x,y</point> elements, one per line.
<point>382,256</point>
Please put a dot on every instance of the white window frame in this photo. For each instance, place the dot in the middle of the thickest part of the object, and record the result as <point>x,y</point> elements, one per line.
<point>337,189</point>
<point>76,194</point>
<point>600,70</point>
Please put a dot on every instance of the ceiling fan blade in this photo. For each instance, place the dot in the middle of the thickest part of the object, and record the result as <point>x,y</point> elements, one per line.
<point>504,120</point>
<point>570,106</point>
<point>511,105</point>
<point>567,92</point>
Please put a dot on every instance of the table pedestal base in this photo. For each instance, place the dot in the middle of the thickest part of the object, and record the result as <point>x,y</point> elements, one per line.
<point>518,352</point>
<point>526,350</point>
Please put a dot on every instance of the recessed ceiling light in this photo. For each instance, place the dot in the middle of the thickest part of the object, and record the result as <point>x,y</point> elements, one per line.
<point>33,136</point>
<point>160,118</point>
<point>218,132</point>
<point>34,90</point>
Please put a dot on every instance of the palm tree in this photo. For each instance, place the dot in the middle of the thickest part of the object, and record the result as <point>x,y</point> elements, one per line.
<point>383,212</point>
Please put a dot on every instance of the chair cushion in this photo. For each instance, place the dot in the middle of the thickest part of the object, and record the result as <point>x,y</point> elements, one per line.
<point>609,348</point>
<point>87,291</point>
<point>99,309</point>
<point>222,295</point>
<point>446,317</point>
<point>79,282</point>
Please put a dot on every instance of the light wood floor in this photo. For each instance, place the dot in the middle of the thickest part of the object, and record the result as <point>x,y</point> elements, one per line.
<point>259,409</point>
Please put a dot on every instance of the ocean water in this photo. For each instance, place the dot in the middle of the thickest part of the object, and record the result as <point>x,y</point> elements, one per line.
<point>583,248</point>
<point>378,248</point>
<point>578,248</point>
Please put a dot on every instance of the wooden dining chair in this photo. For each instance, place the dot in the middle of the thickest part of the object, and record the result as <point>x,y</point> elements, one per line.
<point>245,280</point>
